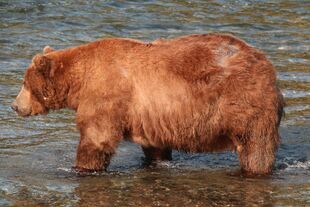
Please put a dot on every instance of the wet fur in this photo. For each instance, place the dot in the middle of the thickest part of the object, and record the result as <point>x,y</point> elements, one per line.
<point>197,93</point>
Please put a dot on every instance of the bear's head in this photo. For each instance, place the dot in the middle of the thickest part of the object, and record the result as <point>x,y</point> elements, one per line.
<point>38,92</point>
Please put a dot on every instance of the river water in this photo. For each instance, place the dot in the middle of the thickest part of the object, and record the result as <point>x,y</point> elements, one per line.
<point>36,153</point>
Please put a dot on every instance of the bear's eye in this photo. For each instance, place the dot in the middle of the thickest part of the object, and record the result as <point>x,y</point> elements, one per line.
<point>45,95</point>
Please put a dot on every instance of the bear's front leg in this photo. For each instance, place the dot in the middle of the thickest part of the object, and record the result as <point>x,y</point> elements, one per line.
<point>96,147</point>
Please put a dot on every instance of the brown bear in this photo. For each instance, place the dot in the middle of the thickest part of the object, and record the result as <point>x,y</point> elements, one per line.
<point>197,93</point>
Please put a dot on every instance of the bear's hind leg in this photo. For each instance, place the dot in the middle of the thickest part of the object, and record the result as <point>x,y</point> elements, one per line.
<point>153,154</point>
<point>256,159</point>
<point>257,148</point>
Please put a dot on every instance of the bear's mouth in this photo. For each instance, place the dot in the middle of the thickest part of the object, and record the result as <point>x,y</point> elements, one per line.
<point>23,113</point>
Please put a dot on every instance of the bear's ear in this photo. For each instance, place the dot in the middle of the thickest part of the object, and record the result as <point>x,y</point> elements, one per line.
<point>47,49</point>
<point>44,65</point>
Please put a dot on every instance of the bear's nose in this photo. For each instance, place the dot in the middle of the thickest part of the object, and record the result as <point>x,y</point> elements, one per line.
<point>14,106</point>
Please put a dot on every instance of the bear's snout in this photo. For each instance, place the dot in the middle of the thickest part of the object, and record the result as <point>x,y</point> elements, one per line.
<point>14,106</point>
<point>20,110</point>
<point>23,104</point>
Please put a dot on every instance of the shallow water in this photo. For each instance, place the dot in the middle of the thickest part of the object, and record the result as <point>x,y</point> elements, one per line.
<point>36,153</point>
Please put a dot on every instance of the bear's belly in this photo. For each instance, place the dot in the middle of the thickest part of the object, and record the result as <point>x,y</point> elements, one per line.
<point>186,129</point>
<point>166,113</point>
<point>187,144</point>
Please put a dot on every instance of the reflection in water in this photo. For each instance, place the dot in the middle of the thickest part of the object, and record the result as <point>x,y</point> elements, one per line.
<point>175,188</point>
<point>36,154</point>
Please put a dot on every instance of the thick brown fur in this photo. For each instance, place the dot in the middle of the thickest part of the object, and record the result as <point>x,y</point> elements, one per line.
<point>197,93</point>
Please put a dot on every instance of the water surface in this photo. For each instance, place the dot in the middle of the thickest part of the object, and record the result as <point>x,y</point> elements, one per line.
<point>36,154</point>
